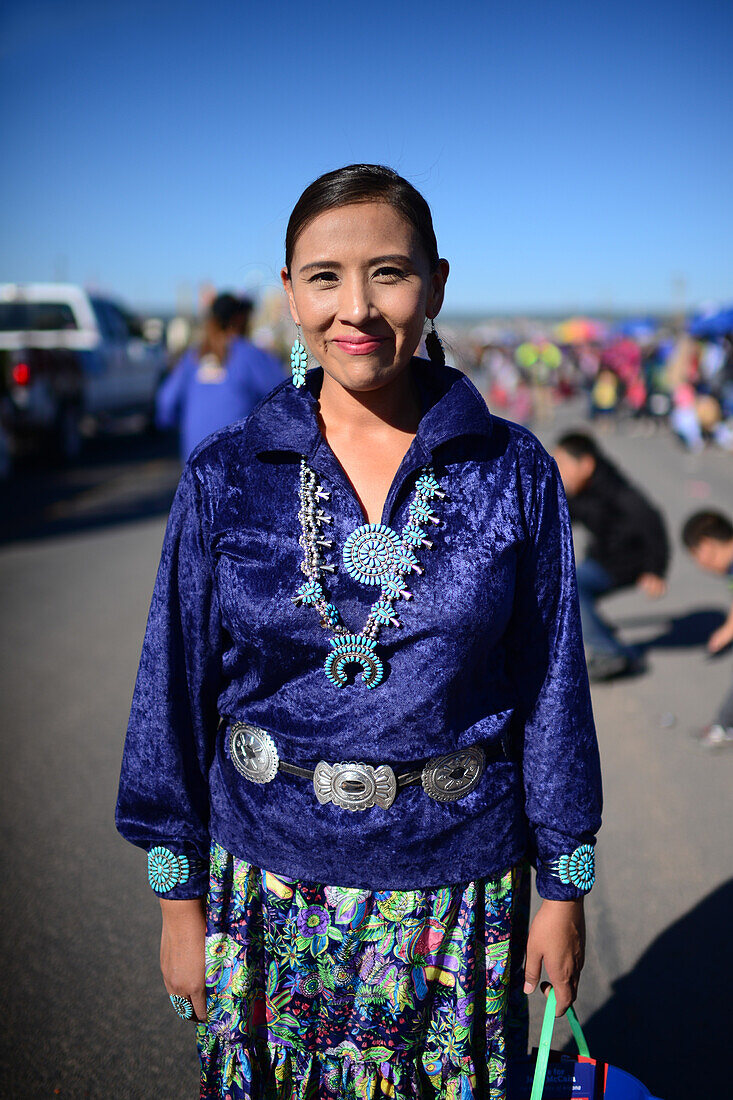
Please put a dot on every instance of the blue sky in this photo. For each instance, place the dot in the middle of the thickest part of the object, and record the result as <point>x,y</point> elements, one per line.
<point>574,155</point>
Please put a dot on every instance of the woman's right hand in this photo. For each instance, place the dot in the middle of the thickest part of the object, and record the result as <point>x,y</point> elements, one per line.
<point>183,951</point>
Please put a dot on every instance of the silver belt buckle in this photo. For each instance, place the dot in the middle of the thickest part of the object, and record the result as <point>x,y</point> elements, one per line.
<point>252,752</point>
<point>448,778</point>
<point>354,786</point>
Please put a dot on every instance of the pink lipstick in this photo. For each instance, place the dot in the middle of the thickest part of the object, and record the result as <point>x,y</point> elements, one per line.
<point>359,345</point>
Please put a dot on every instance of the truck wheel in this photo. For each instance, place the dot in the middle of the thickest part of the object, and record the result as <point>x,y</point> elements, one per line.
<point>68,437</point>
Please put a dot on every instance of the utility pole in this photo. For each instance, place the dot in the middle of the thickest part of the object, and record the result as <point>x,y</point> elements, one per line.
<point>679,301</point>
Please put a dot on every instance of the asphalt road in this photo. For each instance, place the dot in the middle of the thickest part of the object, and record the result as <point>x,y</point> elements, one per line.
<point>85,1012</point>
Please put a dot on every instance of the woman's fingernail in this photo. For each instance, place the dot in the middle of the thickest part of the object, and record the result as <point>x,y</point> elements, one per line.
<point>528,987</point>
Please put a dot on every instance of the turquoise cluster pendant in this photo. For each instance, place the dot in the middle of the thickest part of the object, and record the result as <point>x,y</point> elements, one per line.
<point>353,649</point>
<point>373,554</point>
<point>370,553</point>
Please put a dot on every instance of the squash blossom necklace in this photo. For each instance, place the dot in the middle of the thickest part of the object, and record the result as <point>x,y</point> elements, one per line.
<point>373,554</point>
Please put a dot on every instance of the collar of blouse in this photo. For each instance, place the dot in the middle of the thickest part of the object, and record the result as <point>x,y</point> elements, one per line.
<point>452,408</point>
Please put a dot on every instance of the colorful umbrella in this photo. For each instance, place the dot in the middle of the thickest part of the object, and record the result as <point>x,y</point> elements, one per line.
<point>579,330</point>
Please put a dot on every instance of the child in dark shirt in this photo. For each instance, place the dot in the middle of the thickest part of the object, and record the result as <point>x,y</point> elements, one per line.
<point>628,546</point>
<point>709,538</point>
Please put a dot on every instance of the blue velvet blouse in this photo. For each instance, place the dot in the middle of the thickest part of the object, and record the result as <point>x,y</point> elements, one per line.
<point>490,648</point>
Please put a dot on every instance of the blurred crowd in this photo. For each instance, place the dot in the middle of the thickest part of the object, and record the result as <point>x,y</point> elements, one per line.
<point>648,374</point>
<point>635,371</point>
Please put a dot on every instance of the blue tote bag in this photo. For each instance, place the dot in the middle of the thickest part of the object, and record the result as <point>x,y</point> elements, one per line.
<point>552,1076</point>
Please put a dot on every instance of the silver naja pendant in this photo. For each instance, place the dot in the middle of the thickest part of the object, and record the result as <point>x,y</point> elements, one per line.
<point>355,786</point>
<point>252,752</point>
<point>448,778</point>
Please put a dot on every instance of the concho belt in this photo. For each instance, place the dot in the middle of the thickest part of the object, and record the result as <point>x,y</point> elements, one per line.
<point>356,786</point>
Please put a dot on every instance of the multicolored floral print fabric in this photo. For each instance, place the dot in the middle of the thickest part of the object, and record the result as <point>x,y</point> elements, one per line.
<point>329,993</point>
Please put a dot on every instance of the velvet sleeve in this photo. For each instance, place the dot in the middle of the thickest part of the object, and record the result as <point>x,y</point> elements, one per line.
<point>163,795</point>
<point>561,765</point>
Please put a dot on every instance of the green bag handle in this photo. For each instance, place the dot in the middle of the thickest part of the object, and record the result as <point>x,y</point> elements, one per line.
<point>543,1053</point>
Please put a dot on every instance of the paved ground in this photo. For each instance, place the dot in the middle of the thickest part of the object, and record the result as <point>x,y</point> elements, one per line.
<point>86,1015</point>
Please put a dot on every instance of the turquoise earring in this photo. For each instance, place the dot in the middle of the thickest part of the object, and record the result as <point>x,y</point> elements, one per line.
<point>298,361</point>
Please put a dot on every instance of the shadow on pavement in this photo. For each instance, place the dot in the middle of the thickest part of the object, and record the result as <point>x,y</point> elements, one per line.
<point>119,479</point>
<point>668,1020</point>
<point>675,631</point>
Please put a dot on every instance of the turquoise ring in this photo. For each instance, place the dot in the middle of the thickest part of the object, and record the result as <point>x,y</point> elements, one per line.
<point>183,1006</point>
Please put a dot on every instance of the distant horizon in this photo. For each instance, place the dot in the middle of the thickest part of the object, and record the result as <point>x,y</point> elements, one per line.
<point>466,316</point>
<point>189,290</point>
<point>449,314</point>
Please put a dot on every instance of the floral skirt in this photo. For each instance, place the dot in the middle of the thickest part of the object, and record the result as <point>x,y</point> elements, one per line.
<point>330,993</point>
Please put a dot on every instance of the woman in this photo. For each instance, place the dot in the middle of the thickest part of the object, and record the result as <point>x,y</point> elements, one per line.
<point>363,682</point>
<point>218,382</point>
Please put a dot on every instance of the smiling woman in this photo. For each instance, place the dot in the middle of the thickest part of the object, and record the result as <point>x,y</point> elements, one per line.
<point>362,274</point>
<point>362,703</point>
<point>363,314</point>
<point>362,281</point>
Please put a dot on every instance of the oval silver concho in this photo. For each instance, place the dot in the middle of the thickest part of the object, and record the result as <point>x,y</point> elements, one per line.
<point>448,778</point>
<point>252,752</point>
<point>354,786</point>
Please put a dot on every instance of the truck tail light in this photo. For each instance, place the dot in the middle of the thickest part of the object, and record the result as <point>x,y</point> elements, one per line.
<point>21,374</point>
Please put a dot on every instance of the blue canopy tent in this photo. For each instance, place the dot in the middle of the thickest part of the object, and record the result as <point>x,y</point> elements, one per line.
<point>709,326</point>
<point>636,328</point>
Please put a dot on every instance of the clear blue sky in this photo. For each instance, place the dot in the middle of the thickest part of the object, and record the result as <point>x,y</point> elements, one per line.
<point>574,154</point>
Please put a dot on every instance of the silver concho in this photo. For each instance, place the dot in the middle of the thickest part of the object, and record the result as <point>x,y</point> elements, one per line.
<point>355,786</point>
<point>252,752</point>
<point>448,778</point>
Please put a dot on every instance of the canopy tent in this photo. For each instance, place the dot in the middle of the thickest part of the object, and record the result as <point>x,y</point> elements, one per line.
<point>636,328</point>
<point>712,324</point>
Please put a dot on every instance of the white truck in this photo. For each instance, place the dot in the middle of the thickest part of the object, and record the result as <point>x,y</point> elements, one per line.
<point>68,358</point>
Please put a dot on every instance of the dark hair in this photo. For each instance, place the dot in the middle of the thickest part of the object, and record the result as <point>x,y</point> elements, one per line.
<point>362,183</point>
<point>228,308</point>
<point>706,525</point>
<point>579,445</point>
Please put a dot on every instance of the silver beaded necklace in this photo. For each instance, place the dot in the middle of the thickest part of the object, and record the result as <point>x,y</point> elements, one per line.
<point>373,554</point>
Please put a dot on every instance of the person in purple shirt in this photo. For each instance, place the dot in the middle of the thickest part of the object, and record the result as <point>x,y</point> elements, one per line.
<point>219,382</point>
<point>362,707</point>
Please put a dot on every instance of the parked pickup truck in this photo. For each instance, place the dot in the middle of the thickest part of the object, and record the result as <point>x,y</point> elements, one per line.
<point>68,358</point>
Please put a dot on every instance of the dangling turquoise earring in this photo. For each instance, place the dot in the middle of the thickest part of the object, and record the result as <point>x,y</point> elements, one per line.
<point>298,361</point>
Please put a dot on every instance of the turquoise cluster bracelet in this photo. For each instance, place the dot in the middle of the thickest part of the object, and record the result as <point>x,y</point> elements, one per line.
<point>578,869</point>
<point>166,869</point>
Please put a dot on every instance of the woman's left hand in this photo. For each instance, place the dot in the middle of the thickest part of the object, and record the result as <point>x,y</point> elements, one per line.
<point>557,939</point>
